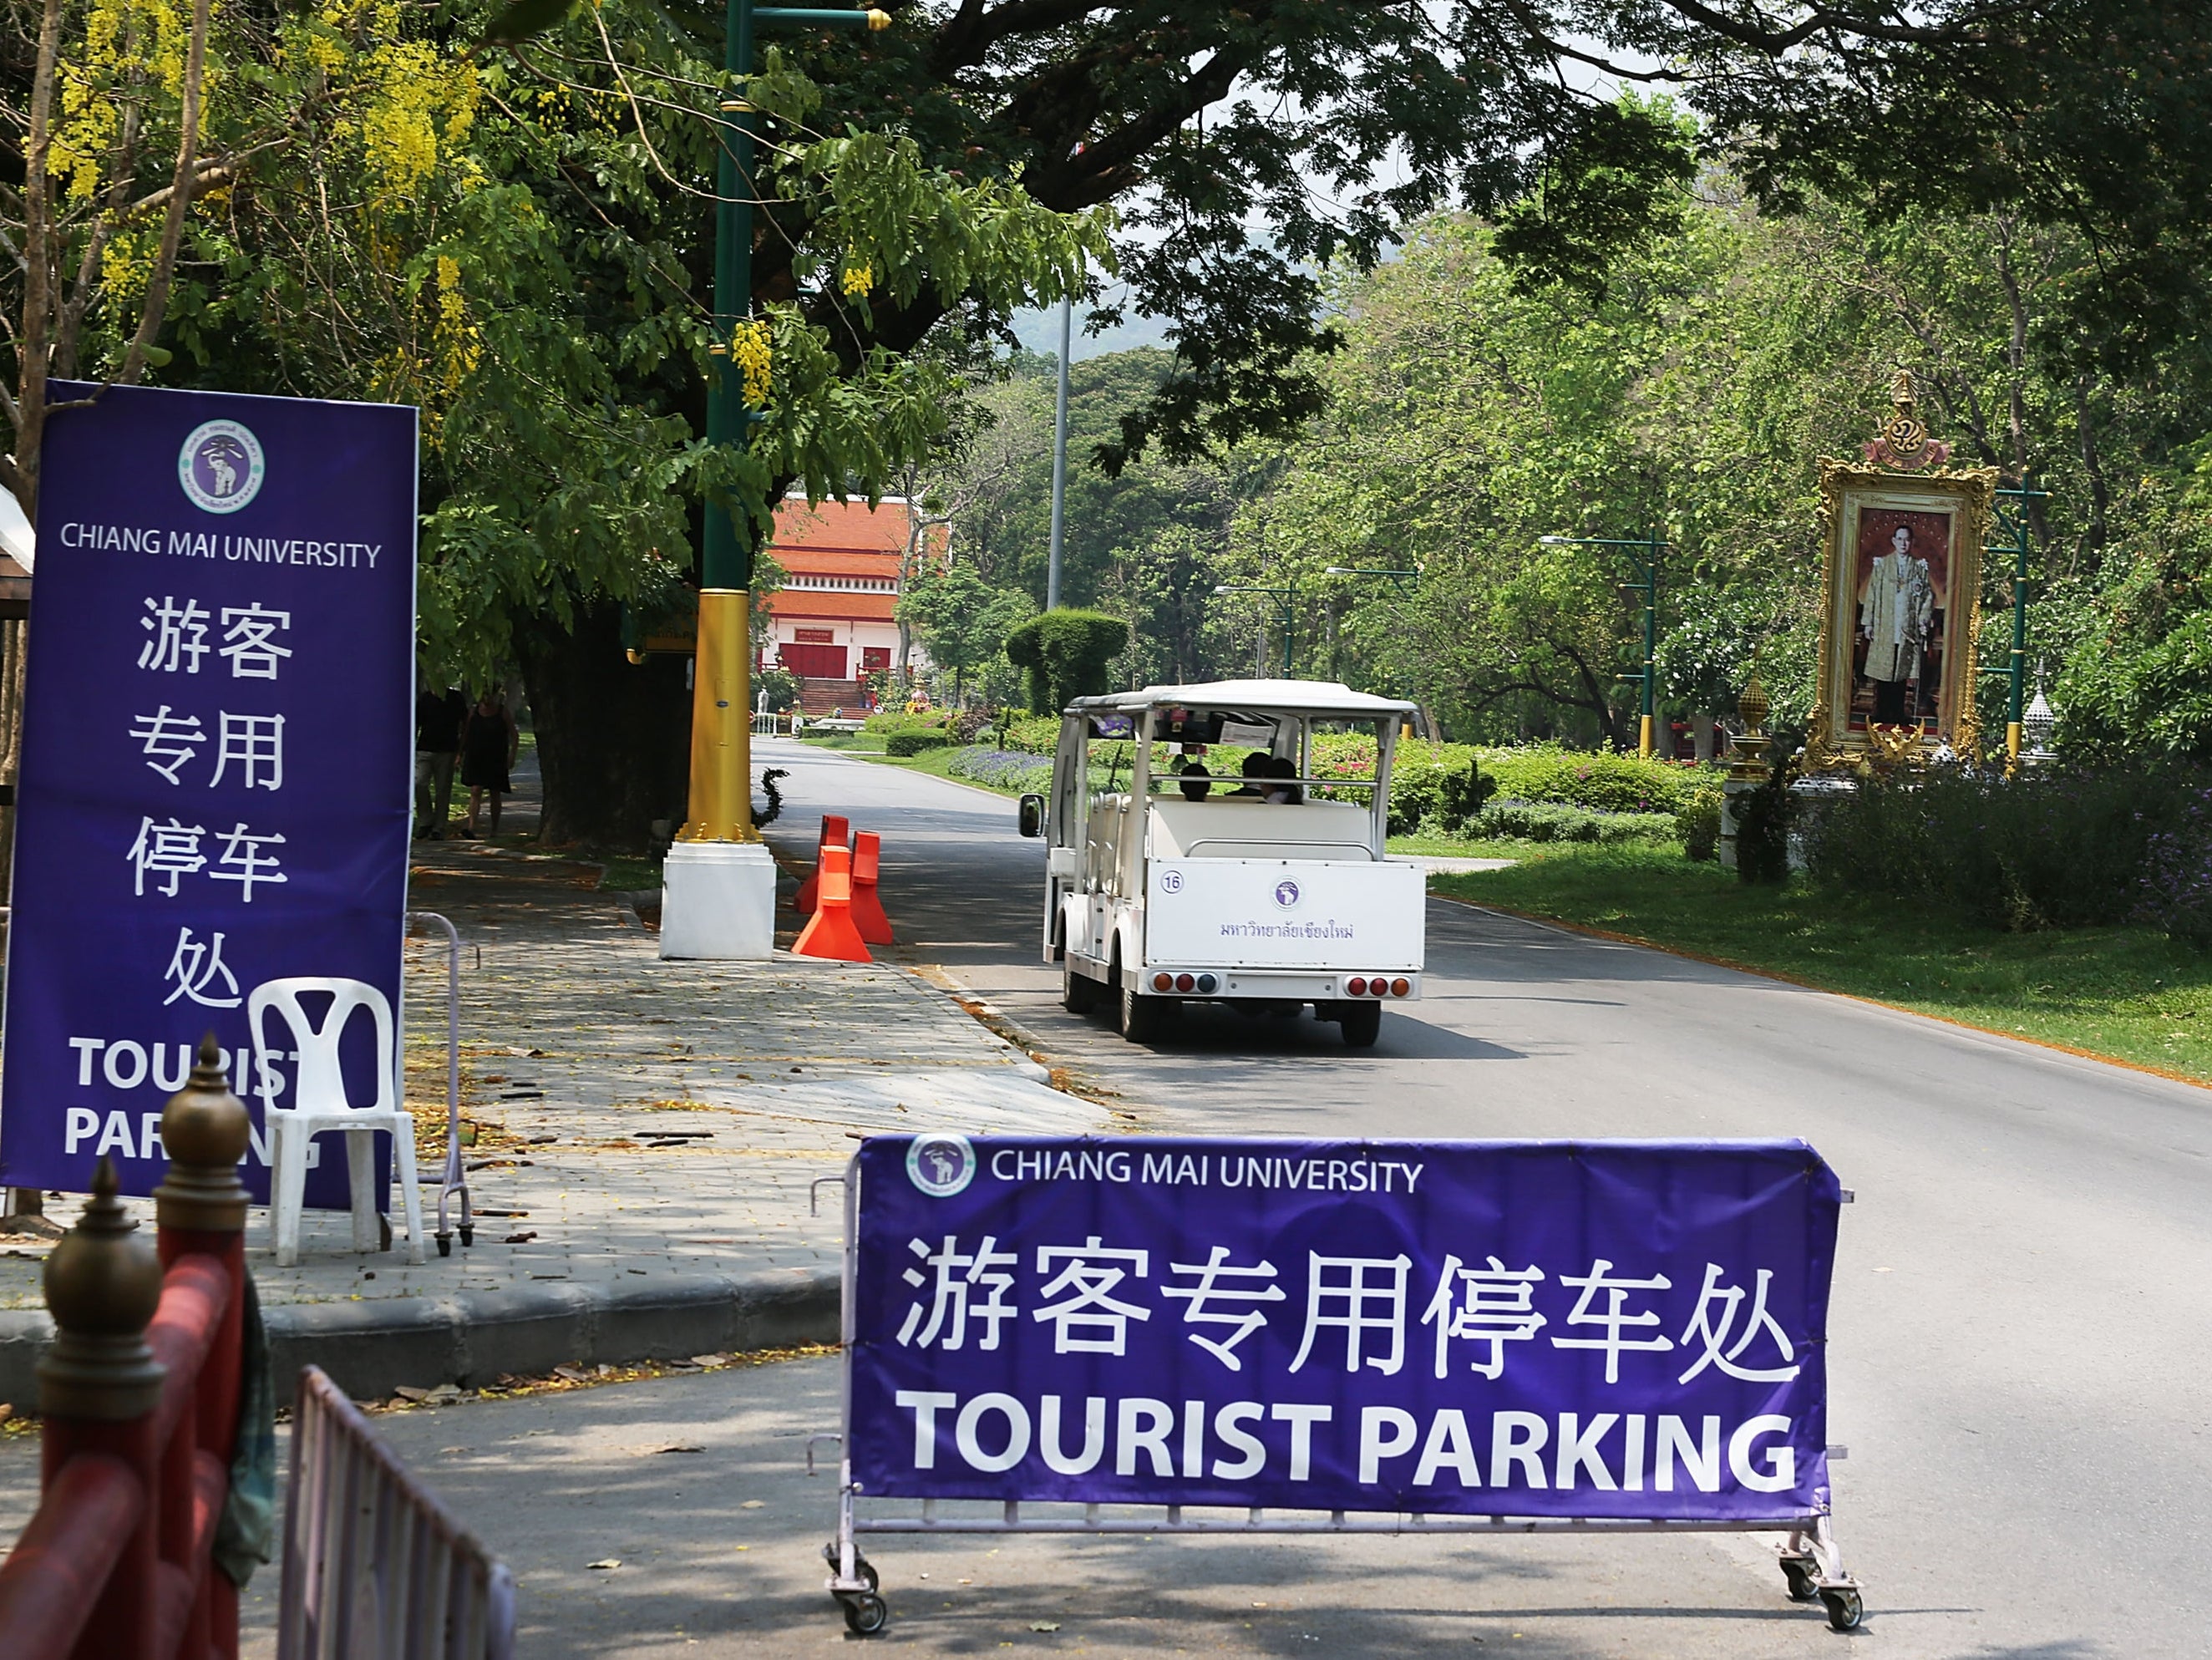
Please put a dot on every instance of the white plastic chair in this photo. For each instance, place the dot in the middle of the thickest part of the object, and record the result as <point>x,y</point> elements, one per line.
<point>319,1103</point>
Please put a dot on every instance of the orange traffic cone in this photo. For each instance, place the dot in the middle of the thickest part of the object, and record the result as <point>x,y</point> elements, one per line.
<point>867,905</point>
<point>830,932</point>
<point>834,828</point>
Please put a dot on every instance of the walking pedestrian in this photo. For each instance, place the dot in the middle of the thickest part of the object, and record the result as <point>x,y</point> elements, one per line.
<point>438,719</point>
<point>489,743</point>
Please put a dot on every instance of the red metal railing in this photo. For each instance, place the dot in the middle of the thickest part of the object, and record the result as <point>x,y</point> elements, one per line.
<point>139,1392</point>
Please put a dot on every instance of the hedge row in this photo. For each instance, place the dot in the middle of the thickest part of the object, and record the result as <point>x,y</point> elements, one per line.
<point>1554,821</point>
<point>909,740</point>
<point>1441,788</point>
<point>1039,734</point>
<point>956,726</point>
<point>1444,786</point>
<point>2050,849</point>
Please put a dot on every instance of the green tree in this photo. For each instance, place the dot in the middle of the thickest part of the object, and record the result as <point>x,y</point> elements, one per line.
<point>961,620</point>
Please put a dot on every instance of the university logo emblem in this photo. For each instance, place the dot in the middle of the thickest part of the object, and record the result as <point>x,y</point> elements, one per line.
<point>221,466</point>
<point>940,1164</point>
<point>1286,894</point>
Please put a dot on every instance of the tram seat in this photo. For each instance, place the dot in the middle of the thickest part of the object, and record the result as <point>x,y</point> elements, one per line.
<point>1248,828</point>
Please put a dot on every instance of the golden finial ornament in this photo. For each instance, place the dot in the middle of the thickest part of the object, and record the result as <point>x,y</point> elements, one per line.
<point>1749,759</point>
<point>103,1284</point>
<point>1752,704</point>
<point>1903,441</point>
<point>204,1129</point>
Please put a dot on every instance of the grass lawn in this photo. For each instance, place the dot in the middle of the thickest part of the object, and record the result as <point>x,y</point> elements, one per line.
<point>2130,993</point>
<point>629,872</point>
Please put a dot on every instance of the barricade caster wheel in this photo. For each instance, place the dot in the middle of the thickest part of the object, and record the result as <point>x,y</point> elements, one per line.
<point>1844,1610</point>
<point>468,1235</point>
<point>861,1565</point>
<point>865,1614</point>
<point>445,1243</point>
<point>1803,1578</point>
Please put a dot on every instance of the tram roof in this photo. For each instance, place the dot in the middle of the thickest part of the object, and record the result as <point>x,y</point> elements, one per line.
<point>1321,697</point>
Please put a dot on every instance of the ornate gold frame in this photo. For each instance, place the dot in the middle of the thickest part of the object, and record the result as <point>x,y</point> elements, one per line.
<point>1967,493</point>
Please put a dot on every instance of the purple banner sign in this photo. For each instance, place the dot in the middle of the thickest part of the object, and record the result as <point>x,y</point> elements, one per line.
<point>216,781</point>
<point>1496,1328</point>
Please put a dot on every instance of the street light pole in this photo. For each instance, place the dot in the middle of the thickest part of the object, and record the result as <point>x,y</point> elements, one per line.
<point>721,758</point>
<point>2016,670</point>
<point>701,904</point>
<point>1650,545</point>
<point>1059,454</point>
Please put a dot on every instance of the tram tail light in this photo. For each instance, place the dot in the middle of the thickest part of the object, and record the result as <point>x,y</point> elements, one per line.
<point>1401,988</point>
<point>1379,985</point>
<point>1184,982</point>
<point>1163,982</point>
<point>1355,986</point>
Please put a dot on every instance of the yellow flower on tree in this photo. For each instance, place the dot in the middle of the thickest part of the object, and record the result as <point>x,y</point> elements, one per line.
<point>859,277</point>
<point>752,352</point>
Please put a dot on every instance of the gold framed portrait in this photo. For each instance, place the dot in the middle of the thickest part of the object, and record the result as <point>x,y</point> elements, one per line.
<point>1901,598</point>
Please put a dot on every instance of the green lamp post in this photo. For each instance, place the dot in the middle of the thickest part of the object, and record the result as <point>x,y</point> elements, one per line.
<point>2016,668</point>
<point>1650,546</point>
<point>1287,598</point>
<point>721,808</point>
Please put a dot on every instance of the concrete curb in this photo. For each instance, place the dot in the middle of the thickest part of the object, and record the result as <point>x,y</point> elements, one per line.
<point>371,1347</point>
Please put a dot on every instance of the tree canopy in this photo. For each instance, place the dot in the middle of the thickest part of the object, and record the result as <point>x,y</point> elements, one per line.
<point>362,199</point>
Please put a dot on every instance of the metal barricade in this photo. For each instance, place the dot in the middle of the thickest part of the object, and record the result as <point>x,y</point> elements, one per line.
<point>375,1568</point>
<point>942,1195</point>
<point>454,1179</point>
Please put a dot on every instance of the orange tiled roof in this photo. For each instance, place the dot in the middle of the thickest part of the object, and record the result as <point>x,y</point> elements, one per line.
<point>846,527</point>
<point>834,562</point>
<point>813,602</point>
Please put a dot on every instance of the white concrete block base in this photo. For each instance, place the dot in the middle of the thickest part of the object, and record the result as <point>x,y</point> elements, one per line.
<point>718,900</point>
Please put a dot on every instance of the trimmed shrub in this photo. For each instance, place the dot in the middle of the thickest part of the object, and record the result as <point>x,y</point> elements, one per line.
<point>913,740</point>
<point>1698,824</point>
<point>1063,656</point>
<point>1443,785</point>
<point>1552,821</point>
<point>1602,781</point>
<point>884,722</point>
<point>1762,829</point>
<point>2177,879</point>
<point>1039,734</point>
<point>2047,849</point>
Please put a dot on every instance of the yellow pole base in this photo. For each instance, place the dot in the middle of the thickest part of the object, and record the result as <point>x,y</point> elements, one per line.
<point>722,806</point>
<point>2012,739</point>
<point>1643,737</point>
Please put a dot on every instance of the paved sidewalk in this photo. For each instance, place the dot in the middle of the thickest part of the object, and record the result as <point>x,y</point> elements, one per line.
<point>647,1137</point>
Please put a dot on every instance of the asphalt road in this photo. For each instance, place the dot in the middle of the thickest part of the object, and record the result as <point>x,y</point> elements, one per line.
<point>2021,1342</point>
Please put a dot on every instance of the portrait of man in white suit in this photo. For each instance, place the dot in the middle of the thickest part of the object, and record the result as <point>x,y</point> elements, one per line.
<point>1899,618</point>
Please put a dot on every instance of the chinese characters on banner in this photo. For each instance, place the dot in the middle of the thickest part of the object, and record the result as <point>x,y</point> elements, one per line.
<point>215,788</point>
<point>1524,1329</point>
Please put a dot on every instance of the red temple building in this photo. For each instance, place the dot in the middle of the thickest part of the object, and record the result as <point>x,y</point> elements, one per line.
<point>831,622</point>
